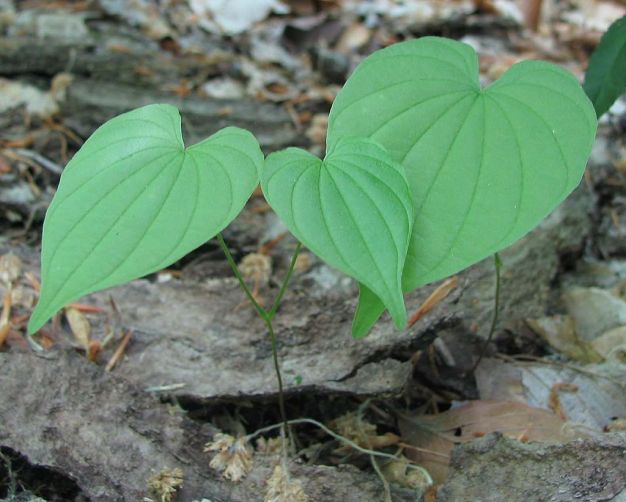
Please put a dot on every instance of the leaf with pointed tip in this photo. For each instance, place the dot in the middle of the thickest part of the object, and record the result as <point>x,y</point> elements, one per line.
<point>353,210</point>
<point>484,165</point>
<point>605,80</point>
<point>134,200</point>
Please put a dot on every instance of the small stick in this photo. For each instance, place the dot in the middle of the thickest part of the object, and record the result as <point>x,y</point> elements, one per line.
<point>119,352</point>
<point>435,297</point>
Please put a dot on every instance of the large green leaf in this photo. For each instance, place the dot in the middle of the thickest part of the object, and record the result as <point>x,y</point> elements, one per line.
<point>134,200</point>
<point>605,79</point>
<point>353,210</point>
<point>484,165</point>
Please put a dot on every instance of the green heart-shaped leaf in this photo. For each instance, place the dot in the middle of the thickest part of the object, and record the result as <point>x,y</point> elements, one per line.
<point>605,80</point>
<point>353,210</point>
<point>134,200</point>
<point>484,165</point>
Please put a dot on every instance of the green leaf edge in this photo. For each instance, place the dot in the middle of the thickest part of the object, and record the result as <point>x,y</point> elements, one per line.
<point>44,311</point>
<point>602,72</point>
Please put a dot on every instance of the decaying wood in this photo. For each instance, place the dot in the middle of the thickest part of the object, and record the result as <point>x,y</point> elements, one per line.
<point>105,438</point>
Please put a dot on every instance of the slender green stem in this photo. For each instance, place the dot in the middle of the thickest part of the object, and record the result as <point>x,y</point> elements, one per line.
<point>233,265</point>
<point>496,308</point>
<point>283,287</point>
<point>281,394</point>
<point>267,316</point>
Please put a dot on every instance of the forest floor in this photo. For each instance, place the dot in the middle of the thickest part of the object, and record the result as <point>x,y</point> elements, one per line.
<point>123,391</point>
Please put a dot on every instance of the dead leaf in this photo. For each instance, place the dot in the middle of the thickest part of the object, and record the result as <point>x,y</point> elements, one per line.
<point>600,396</point>
<point>234,16</point>
<point>353,38</point>
<point>79,325</point>
<point>5,317</point>
<point>612,345</point>
<point>430,438</point>
<point>560,332</point>
<point>555,402</point>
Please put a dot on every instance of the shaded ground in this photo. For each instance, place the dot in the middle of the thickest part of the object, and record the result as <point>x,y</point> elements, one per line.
<point>195,359</point>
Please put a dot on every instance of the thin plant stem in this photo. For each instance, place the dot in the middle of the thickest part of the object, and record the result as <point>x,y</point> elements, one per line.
<point>281,394</point>
<point>267,316</point>
<point>340,438</point>
<point>496,308</point>
<point>283,287</point>
<point>233,265</point>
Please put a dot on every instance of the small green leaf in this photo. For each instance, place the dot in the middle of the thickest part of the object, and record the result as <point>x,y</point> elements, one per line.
<point>353,210</point>
<point>484,165</point>
<point>134,200</point>
<point>605,80</point>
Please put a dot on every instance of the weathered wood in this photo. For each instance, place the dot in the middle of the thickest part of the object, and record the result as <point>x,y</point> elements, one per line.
<point>108,437</point>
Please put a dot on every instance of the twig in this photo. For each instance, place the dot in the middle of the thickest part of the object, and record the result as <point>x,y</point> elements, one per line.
<point>165,388</point>
<point>40,159</point>
<point>443,290</point>
<point>117,355</point>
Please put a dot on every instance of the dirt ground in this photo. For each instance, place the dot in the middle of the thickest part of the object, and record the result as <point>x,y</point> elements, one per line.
<point>118,397</point>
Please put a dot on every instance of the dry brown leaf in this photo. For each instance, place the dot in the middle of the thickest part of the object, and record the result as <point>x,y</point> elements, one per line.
<point>430,438</point>
<point>79,325</point>
<point>233,458</point>
<point>282,488</point>
<point>555,401</point>
<point>560,332</point>
<point>5,317</point>
<point>612,344</point>
<point>353,38</point>
<point>119,352</point>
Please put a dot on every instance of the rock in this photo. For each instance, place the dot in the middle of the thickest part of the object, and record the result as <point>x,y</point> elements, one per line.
<point>495,468</point>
